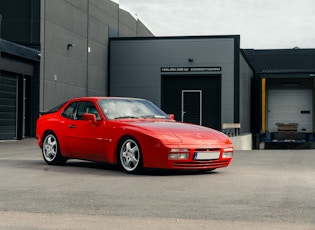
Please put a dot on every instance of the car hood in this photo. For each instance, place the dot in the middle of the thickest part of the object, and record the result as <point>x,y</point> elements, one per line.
<point>176,132</point>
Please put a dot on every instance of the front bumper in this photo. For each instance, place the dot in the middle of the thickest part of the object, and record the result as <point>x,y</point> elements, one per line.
<point>200,165</point>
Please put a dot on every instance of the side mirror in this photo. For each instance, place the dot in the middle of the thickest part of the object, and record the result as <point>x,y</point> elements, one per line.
<point>89,117</point>
<point>171,116</point>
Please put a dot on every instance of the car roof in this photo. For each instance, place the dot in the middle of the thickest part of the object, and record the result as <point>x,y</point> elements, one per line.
<point>98,98</point>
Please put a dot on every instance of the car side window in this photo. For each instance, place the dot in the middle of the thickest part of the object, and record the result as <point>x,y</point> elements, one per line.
<point>69,111</point>
<point>86,107</point>
<point>92,109</point>
<point>81,109</point>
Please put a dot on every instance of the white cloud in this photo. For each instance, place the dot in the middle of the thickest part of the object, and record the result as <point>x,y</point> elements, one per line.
<point>261,23</point>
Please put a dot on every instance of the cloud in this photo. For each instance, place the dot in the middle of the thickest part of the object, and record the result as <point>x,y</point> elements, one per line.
<point>261,23</point>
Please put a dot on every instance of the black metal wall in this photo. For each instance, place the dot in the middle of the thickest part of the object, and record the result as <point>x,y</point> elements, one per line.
<point>210,85</point>
<point>281,60</point>
<point>21,22</point>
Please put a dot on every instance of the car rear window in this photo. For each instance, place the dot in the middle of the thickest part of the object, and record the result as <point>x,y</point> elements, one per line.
<point>53,110</point>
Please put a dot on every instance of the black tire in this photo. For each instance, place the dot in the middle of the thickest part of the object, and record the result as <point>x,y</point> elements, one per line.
<point>51,150</point>
<point>130,156</point>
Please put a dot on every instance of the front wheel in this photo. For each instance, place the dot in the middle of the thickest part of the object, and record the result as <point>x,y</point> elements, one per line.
<point>51,151</point>
<point>130,158</point>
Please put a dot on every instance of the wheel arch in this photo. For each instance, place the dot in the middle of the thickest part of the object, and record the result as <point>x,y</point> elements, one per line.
<point>53,149</point>
<point>60,143</point>
<point>120,142</point>
<point>45,133</point>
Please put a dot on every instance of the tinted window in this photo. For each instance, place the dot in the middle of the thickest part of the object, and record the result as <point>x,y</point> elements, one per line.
<point>86,107</point>
<point>53,110</point>
<point>69,111</point>
<point>81,110</point>
<point>92,109</point>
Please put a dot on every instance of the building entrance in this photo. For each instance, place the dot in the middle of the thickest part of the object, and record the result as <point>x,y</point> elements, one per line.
<point>192,106</point>
<point>193,98</point>
<point>15,106</point>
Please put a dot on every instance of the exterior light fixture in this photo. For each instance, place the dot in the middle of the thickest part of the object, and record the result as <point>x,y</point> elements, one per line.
<point>190,59</point>
<point>70,45</point>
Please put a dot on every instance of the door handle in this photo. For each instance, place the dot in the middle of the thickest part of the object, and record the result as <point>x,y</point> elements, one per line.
<point>71,126</point>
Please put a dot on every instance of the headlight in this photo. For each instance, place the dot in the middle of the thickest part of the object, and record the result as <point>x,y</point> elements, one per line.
<point>228,153</point>
<point>178,154</point>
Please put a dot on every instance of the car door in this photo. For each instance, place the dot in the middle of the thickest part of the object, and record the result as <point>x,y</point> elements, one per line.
<point>85,138</point>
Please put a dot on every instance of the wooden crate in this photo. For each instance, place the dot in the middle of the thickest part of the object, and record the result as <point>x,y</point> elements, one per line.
<point>290,127</point>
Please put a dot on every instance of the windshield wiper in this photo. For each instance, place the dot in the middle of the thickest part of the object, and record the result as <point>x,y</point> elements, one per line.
<point>154,116</point>
<point>125,117</point>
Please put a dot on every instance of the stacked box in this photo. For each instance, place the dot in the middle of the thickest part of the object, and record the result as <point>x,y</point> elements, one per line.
<point>291,127</point>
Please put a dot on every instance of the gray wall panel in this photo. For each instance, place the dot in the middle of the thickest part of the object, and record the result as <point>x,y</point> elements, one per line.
<point>58,44</point>
<point>98,31</point>
<point>127,19</point>
<point>127,24</point>
<point>97,83</point>
<point>68,71</point>
<point>246,75</point>
<point>65,15</point>
<point>175,51</point>
<point>137,63</point>
<point>99,15</point>
<point>84,67</point>
<point>80,4</point>
<point>98,54</point>
<point>107,6</point>
<point>57,93</point>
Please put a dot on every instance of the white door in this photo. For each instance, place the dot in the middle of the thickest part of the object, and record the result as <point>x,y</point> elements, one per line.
<point>290,106</point>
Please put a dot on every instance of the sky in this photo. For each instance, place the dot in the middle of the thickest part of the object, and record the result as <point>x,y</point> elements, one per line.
<point>261,24</point>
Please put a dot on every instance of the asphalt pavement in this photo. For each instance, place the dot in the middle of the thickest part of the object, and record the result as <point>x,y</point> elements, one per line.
<point>261,189</point>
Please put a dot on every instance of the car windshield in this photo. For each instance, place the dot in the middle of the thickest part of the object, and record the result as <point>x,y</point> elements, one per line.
<point>130,108</point>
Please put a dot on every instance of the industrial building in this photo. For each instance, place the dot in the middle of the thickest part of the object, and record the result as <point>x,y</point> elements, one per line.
<point>62,50</point>
<point>201,80</point>
<point>284,95</point>
<point>52,51</point>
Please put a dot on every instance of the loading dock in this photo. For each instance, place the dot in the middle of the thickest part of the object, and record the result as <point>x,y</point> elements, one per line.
<point>283,97</point>
<point>287,111</point>
<point>290,107</point>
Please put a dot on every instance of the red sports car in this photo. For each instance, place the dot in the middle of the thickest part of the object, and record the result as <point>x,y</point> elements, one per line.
<point>133,133</point>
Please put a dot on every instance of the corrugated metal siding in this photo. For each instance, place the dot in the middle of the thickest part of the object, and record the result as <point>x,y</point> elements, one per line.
<point>293,59</point>
<point>8,87</point>
<point>290,106</point>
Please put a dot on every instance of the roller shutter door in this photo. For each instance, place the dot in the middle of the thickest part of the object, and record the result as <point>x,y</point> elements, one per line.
<point>290,106</point>
<point>8,95</point>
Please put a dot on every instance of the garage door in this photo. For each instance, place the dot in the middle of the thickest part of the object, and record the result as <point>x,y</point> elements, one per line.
<point>290,106</point>
<point>8,88</point>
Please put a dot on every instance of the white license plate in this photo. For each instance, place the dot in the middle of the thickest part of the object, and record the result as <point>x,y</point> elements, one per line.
<point>207,155</point>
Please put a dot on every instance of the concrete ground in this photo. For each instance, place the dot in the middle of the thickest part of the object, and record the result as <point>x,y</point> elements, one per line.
<point>261,189</point>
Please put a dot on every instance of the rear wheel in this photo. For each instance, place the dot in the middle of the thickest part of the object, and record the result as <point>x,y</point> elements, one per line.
<point>51,151</point>
<point>130,157</point>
